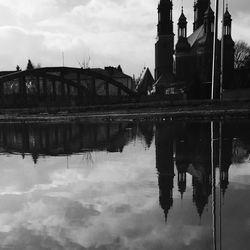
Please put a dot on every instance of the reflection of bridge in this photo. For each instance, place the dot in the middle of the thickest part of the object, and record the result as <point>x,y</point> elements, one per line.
<point>63,86</point>
<point>62,139</point>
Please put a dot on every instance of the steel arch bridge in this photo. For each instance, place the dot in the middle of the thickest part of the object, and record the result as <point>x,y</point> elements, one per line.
<point>60,86</point>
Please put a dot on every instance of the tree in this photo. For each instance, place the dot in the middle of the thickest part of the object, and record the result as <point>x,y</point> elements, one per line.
<point>30,65</point>
<point>85,64</point>
<point>18,68</point>
<point>241,55</point>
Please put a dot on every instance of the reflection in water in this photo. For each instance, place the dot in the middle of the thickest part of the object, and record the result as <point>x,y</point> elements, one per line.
<point>63,139</point>
<point>184,147</point>
<point>187,147</point>
<point>191,143</point>
<point>120,196</point>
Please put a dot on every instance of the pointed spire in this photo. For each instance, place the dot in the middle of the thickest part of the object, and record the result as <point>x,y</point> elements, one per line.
<point>227,14</point>
<point>182,18</point>
<point>227,22</point>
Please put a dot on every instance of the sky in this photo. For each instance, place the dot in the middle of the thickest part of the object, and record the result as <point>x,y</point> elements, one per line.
<point>105,33</point>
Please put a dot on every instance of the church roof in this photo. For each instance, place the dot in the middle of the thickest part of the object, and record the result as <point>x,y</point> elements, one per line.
<point>165,80</point>
<point>199,33</point>
<point>146,82</point>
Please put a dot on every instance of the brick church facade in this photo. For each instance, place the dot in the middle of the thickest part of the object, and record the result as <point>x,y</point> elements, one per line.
<point>192,67</point>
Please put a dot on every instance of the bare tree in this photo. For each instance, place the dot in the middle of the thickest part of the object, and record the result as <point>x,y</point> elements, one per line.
<point>18,68</point>
<point>241,55</point>
<point>85,63</point>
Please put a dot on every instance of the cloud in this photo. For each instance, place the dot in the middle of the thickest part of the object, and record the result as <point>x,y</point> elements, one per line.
<point>107,31</point>
<point>111,32</point>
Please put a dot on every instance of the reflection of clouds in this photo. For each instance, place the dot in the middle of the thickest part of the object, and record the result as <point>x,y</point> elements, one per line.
<point>57,179</point>
<point>75,206</point>
<point>235,218</point>
<point>110,205</point>
<point>239,175</point>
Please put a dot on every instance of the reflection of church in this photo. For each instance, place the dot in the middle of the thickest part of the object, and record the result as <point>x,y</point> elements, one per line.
<point>191,72</point>
<point>185,148</point>
<point>165,165</point>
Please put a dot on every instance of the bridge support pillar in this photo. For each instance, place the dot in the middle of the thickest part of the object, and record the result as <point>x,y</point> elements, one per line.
<point>68,90</point>
<point>93,87</point>
<point>38,86</point>
<point>107,88</point>
<point>54,89</point>
<point>79,91</point>
<point>45,87</point>
<point>1,90</point>
<point>119,93</point>
<point>62,85</point>
<point>23,89</point>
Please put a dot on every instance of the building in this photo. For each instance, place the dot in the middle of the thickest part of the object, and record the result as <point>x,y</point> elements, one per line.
<point>193,53</point>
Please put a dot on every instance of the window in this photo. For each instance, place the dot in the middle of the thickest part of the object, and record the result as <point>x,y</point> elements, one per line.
<point>212,27</point>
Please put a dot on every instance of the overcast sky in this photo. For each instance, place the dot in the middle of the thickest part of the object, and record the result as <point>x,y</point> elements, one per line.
<point>110,32</point>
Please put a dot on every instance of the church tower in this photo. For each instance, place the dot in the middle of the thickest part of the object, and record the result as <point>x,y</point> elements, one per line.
<point>228,61</point>
<point>200,7</point>
<point>205,57</point>
<point>182,50</point>
<point>164,47</point>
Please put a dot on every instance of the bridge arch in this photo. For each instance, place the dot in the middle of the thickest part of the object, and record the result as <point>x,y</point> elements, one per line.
<point>58,84</point>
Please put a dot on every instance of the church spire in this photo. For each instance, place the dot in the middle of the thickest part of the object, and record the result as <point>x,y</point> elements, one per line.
<point>182,25</point>
<point>227,22</point>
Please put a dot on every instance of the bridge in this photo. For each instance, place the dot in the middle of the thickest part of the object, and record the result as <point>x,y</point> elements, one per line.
<point>63,86</point>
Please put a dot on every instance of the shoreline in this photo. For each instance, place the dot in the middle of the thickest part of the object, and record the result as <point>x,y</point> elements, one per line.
<point>129,112</point>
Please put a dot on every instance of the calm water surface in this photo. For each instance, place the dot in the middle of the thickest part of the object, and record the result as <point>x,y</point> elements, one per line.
<point>125,186</point>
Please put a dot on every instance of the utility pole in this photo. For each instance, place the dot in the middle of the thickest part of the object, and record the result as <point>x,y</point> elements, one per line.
<point>63,58</point>
<point>215,49</point>
<point>222,51</point>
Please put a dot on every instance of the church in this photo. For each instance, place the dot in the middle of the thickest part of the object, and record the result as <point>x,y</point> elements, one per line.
<point>186,68</point>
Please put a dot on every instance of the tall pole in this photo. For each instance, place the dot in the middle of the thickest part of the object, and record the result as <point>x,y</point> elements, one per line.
<point>214,70</point>
<point>213,189</point>
<point>220,166</point>
<point>222,51</point>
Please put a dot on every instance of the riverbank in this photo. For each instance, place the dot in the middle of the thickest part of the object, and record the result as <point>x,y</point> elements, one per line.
<point>132,111</point>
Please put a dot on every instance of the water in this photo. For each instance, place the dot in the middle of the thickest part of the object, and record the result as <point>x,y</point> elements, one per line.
<point>125,186</point>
